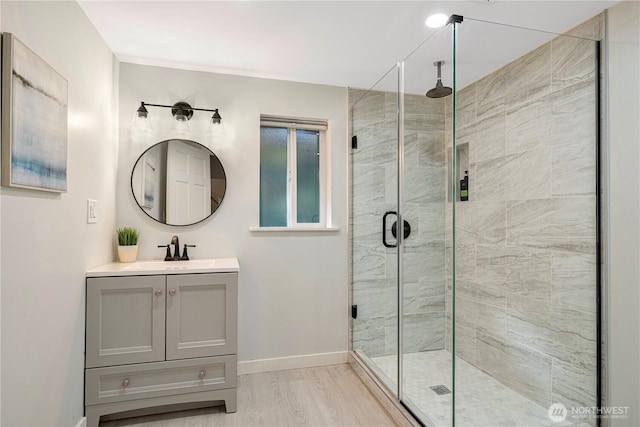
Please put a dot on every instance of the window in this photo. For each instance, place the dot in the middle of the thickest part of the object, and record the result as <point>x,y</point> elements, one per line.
<point>293,172</point>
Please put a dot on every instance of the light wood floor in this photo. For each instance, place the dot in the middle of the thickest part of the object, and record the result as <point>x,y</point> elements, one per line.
<point>321,396</point>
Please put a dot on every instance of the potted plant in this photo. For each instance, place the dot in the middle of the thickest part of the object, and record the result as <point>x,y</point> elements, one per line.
<point>127,244</point>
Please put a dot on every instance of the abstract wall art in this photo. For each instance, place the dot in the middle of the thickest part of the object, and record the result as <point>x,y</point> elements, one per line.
<point>34,120</point>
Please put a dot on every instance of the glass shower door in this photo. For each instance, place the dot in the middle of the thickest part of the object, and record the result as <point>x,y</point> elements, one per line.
<point>426,382</point>
<point>374,177</point>
<point>399,243</point>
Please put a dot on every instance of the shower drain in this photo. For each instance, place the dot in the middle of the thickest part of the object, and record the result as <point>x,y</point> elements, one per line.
<point>440,389</point>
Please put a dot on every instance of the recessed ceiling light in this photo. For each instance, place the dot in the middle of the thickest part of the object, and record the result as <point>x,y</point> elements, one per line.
<point>437,20</point>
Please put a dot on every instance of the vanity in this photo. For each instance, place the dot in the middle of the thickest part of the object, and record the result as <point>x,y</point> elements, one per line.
<point>160,334</point>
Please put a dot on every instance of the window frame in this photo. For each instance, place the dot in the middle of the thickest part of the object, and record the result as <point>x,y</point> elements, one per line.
<point>324,176</point>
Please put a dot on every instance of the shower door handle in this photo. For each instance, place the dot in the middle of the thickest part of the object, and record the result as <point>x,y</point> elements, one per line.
<point>384,229</point>
<point>406,231</point>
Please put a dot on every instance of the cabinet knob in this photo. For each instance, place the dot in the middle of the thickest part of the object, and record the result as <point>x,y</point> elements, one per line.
<point>125,383</point>
<point>172,292</point>
<point>158,292</point>
<point>202,375</point>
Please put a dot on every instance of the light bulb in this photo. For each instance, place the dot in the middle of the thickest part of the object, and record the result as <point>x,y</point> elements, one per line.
<point>437,20</point>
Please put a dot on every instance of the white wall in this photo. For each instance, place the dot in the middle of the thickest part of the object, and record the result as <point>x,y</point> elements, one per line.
<point>624,210</point>
<point>46,243</point>
<point>292,287</point>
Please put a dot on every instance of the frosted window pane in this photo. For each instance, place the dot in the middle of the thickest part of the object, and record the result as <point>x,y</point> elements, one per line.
<point>308,176</point>
<point>273,177</point>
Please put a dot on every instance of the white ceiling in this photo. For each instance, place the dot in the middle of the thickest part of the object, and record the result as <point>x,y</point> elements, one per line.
<point>344,43</point>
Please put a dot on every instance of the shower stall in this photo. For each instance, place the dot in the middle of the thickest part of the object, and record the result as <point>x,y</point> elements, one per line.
<point>474,227</point>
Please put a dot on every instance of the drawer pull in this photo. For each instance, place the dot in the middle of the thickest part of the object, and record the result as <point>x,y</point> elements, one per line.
<point>158,292</point>
<point>202,375</point>
<point>125,383</point>
<point>172,292</point>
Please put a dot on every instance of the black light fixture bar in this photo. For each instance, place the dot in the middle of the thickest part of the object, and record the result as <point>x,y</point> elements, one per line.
<point>180,110</point>
<point>186,107</point>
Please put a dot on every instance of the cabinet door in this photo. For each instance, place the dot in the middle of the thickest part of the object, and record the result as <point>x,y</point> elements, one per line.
<point>125,320</point>
<point>201,315</point>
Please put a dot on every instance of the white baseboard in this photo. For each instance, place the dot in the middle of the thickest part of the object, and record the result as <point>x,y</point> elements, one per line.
<point>292,362</point>
<point>82,422</point>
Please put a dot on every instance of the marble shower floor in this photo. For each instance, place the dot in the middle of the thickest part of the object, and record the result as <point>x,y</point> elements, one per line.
<point>481,401</point>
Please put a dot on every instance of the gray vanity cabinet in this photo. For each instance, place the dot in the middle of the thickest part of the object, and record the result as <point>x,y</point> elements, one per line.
<point>201,315</point>
<point>125,320</point>
<point>158,340</point>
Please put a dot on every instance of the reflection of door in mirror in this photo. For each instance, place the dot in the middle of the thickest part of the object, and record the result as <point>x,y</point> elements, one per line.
<point>188,183</point>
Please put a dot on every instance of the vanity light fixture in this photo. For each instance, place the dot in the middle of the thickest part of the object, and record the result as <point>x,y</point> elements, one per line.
<point>141,122</point>
<point>216,119</point>
<point>142,112</point>
<point>181,111</point>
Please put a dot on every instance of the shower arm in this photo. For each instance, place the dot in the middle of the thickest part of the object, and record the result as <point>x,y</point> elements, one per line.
<point>439,79</point>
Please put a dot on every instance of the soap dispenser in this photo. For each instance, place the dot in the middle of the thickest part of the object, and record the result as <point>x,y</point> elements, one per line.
<point>464,187</point>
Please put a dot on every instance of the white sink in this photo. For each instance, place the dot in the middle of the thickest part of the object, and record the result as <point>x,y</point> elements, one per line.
<point>143,267</point>
<point>171,265</point>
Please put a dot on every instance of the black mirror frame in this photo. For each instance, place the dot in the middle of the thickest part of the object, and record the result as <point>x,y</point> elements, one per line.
<point>166,141</point>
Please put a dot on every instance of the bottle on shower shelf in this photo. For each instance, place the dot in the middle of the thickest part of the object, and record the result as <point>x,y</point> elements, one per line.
<point>464,187</point>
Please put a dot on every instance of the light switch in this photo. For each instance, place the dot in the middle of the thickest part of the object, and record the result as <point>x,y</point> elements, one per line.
<point>92,211</point>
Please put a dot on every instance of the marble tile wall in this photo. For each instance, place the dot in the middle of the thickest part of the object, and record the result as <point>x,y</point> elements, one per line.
<point>525,308</point>
<point>374,191</point>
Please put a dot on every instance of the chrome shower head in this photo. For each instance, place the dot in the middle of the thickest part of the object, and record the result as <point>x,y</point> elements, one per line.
<point>440,91</point>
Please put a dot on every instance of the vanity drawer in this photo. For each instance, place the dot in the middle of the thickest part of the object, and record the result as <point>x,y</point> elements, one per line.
<point>120,383</point>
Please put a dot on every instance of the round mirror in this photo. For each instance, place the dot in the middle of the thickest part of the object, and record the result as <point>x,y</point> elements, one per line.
<point>178,182</point>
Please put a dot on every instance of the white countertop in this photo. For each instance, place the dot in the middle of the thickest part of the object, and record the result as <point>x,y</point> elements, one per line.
<point>151,267</point>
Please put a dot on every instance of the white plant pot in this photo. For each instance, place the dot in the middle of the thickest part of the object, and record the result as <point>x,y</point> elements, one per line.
<point>127,253</point>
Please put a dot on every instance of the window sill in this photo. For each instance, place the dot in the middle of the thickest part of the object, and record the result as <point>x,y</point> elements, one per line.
<point>294,229</point>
